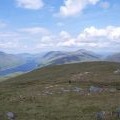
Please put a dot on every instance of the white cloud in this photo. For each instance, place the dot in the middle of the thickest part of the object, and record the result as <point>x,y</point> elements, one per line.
<point>8,35</point>
<point>64,35</point>
<point>35,30</point>
<point>9,45</point>
<point>110,33</point>
<point>65,39</point>
<point>105,38</point>
<point>73,7</point>
<point>48,39</point>
<point>89,38</point>
<point>70,42</point>
<point>30,4</point>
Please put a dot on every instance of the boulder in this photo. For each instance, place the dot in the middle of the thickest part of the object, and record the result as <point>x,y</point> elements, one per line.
<point>10,115</point>
<point>117,71</point>
<point>100,115</point>
<point>112,90</point>
<point>94,89</point>
<point>118,112</point>
<point>77,89</point>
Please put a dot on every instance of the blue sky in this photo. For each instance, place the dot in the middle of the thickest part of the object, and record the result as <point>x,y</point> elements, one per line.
<point>41,25</point>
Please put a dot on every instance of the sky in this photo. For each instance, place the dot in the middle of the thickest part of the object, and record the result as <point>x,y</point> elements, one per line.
<point>34,26</point>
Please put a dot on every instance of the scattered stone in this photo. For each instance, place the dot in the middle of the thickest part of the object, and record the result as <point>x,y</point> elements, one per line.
<point>112,90</point>
<point>88,94</point>
<point>48,93</point>
<point>86,73</point>
<point>94,89</point>
<point>65,90</point>
<point>100,115</point>
<point>117,71</point>
<point>47,87</point>
<point>81,76</point>
<point>10,115</point>
<point>77,89</point>
<point>118,112</point>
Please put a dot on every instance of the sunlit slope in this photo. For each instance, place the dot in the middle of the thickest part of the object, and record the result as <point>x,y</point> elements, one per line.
<point>100,72</point>
<point>62,92</point>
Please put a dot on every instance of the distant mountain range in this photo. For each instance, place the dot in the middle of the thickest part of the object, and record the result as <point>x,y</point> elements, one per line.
<point>10,60</point>
<point>12,63</point>
<point>114,57</point>
<point>58,57</point>
<point>18,63</point>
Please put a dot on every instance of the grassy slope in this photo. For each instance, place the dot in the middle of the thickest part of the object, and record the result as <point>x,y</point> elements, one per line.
<point>3,78</point>
<point>25,94</point>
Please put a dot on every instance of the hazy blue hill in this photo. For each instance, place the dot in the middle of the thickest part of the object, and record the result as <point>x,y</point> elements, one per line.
<point>15,63</point>
<point>26,56</point>
<point>54,54</point>
<point>26,67</point>
<point>115,57</point>
<point>87,53</point>
<point>57,57</point>
<point>24,62</point>
<point>9,60</point>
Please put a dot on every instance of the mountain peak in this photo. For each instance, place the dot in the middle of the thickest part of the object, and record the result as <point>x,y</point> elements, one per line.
<point>83,50</point>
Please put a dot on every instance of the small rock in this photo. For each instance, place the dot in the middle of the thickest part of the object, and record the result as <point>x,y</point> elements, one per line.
<point>94,89</point>
<point>118,112</point>
<point>65,90</point>
<point>100,115</point>
<point>112,90</point>
<point>117,71</point>
<point>77,89</point>
<point>48,93</point>
<point>10,115</point>
<point>86,73</point>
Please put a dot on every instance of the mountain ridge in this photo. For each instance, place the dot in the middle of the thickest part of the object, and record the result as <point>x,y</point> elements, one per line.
<point>81,55</point>
<point>18,62</point>
<point>114,57</point>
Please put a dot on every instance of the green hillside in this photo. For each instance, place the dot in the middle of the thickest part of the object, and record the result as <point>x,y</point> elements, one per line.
<point>63,92</point>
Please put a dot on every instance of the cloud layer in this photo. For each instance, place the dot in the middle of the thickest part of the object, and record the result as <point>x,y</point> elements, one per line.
<point>73,7</point>
<point>35,31</point>
<point>34,40</point>
<point>30,4</point>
